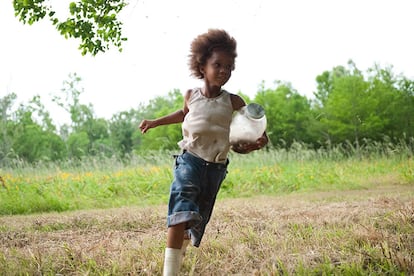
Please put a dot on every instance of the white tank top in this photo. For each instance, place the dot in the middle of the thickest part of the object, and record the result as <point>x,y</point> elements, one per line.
<point>206,126</point>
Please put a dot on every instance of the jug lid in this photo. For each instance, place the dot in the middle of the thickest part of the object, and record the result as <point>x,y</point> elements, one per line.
<point>255,111</point>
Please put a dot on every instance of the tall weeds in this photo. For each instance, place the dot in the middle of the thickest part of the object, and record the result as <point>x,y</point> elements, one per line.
<point>145,179</point>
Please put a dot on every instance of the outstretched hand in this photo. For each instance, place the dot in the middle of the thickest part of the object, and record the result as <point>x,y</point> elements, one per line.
<point>145,125</point>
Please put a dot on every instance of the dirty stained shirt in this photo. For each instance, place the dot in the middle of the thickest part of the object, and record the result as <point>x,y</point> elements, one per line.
<point>206,126</point>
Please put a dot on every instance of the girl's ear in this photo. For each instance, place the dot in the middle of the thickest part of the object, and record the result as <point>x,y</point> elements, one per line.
<point>201,68</point>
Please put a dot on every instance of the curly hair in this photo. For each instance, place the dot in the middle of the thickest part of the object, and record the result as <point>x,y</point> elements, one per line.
<point>203,46</point>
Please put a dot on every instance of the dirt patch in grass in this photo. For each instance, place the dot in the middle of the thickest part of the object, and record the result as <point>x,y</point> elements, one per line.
<point>358,231</point>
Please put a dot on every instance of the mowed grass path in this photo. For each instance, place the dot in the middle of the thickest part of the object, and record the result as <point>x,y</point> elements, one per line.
<point>366,231</point>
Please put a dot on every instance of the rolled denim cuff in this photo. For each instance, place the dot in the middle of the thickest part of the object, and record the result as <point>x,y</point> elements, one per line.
<point>192,218</point>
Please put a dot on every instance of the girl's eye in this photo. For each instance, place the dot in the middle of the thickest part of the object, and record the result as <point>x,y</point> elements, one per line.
<point>217,65</point>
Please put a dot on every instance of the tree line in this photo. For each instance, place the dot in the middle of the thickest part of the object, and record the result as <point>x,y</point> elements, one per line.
<point>349,107</point>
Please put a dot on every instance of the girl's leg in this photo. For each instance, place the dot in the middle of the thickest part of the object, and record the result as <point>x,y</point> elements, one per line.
<point>175,236</point>
<point>173,255</point>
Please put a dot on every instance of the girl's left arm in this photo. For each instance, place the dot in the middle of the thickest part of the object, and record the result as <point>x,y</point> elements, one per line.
<point>237,102</point>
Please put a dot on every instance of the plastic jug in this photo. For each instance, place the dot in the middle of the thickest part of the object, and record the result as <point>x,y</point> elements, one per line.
<point>248,124</point>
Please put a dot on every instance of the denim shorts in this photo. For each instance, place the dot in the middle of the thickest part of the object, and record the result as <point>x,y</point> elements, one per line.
<point>193,193</point>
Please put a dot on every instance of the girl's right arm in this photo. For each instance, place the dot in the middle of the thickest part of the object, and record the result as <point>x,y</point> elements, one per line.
<point>173,118</point>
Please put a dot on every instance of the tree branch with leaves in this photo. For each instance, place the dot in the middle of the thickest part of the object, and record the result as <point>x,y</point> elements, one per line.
<point>93,22</point>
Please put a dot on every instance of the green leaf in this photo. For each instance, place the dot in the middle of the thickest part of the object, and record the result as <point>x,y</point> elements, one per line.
<point>89,21</point>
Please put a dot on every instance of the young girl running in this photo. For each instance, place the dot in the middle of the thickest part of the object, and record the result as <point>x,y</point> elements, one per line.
<point>202,166</point>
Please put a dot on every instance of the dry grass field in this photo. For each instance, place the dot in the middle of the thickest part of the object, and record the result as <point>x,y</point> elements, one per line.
<point>355,232</point>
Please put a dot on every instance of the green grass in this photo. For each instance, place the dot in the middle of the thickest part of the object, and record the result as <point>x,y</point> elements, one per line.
<point>297,212</point>
<point>146,181</point>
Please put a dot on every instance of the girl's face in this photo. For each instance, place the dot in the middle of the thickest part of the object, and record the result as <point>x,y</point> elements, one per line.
<point>218,67</point>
